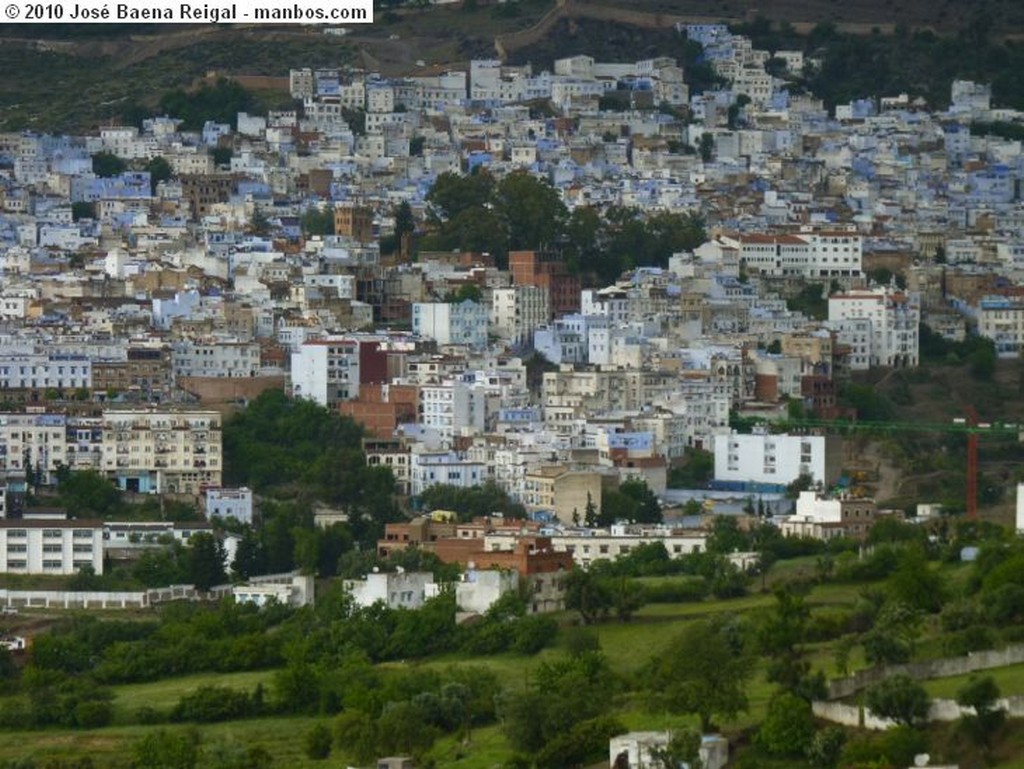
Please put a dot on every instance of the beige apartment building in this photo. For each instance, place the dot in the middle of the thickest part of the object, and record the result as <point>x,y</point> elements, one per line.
<point>175,452</point>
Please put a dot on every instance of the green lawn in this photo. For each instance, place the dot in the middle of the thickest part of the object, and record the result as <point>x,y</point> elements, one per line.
<point>111,747</point>
<point>1010,680</point>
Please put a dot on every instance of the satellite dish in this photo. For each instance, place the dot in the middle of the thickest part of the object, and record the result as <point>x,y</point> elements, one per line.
<point>376,569</point>
<point>922,759</point>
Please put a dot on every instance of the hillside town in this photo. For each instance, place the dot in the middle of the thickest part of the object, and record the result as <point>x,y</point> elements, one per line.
<point>156,280</point>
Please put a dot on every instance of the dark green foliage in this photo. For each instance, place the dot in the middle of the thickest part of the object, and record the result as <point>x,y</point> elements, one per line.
<point>159,171</point>
<point>220,102</point>
<point>826,746</point>
<point>565,692</point>
<point>587,594</point>
<point>318,742</point>
<point>699,468</point>
<point>915,584</point>
<point>471,502</point>
<point>208,704</point>
<point>317,221</point>
<point>295,446</point>
<point>788,729</point>
<point>167,750</point>
<point>812,301</point>
<point>206,561</point>
<point>582,744</point>
<point>705,671</point>
<point>899,698</point>
<point>982,695</point>
<point>107,164</point>
<point>83,210</point>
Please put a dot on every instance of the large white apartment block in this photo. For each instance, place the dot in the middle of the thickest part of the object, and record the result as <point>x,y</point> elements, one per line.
<point>42,371</point>
<point>463,323</point>
<point>894,315</point>
<point>215,358</point>
<point>30,546</point>
<point>517,312</point>
<point>176,452</point>
<point>1001,319</point>
<point>809,255</point>
<point>326,370</point>
<point>775,459</point>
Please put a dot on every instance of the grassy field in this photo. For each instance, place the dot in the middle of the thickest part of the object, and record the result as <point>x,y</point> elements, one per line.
<point>163,695</point>
<point>1010,680</point>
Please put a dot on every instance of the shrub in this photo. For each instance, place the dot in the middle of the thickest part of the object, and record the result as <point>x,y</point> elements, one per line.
<point>318,743</point>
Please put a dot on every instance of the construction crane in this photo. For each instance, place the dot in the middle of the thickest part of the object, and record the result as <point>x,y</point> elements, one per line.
<point>971,426</point>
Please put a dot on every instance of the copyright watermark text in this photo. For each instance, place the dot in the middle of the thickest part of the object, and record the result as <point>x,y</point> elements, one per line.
<point>212,12</point>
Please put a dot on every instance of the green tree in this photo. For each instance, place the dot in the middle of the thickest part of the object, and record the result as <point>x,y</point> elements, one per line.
<point>705,670</point>
<point>982,695</point>
<point>788,729</point>
<point>532,209</point>
<point>590,514</point>
<point>726,537</point>
<point>452,194</point>
<point>206,561</point>
<point>826,747</point>
<point>355,734</point>
<point>167,750</point>
<point>683,748</point>
<point>83,210</point>
<point>915,584</point>
<point>159,171</point>
<point>107,164</point>
<point>646,509</point>
<point>317,221</point>
<point>899,698</point>
<point>588,595</point>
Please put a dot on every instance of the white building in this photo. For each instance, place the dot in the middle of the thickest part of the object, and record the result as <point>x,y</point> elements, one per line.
<point>292,589</point>
<point>215,358</point>
<point>894,316</point>
<point>1001,319</point>
<point>396,590</point>
<point>639,750</point>
<point>776,459</point>
<point>455,323</point>
<point>42,371</point>
<point>50,547</point>
<point>454,408</point>
<point>326,370</point>
<point>230,503</point>
<point>430,468</point>
<point>517,312</point>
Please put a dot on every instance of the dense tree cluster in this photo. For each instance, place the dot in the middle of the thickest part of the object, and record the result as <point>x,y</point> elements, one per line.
<point>477,213</point>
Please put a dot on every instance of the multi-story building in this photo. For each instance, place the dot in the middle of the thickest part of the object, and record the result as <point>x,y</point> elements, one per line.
<point>463,323</point>
<point>517,312</point>
<point>895,317</point>
<point>762,458</point>
<point>548,271</point>
<point>326,371</point>
<point>354,222</point>
<point>219,358</point>
<point>55,547</point>
<point>144,369</point>
<point>1001,319</point>
<point>826,518</point>
<point>177,452</point>
<point>45,371</point>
